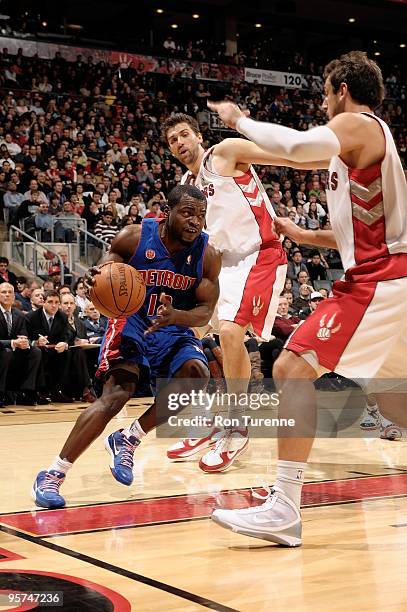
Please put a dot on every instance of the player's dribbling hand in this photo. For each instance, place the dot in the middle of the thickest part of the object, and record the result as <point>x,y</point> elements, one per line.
<point>165,315</point>
<point>229,112</point>
<point>88,279</point>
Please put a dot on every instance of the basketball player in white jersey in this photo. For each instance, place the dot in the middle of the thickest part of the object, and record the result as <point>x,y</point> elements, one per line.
<point>240,224</point>
<point>361,332</point>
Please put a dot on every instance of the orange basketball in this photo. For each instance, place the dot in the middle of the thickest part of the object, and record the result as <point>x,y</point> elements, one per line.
<point>119,290</point>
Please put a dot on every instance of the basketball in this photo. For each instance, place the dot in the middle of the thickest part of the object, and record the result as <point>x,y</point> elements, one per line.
<point>118,291</point>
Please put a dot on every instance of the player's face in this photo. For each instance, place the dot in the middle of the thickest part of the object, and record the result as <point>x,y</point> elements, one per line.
<point>334,103</point>
<point>184,143</point>
<point>186,220</point>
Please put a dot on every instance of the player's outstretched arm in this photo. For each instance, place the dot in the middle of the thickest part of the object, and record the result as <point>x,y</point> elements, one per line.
<point>321,238</point>
<point>207,294</point>
<point>232,152</point>
<point>283,142</point>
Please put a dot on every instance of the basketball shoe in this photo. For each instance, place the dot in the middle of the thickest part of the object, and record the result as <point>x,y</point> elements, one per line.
<point>190,446</point>
<point>371,418</point>
<point>45,490</point>
<point>276,520</point>
<point>121,450</point>
<point>231,443</point>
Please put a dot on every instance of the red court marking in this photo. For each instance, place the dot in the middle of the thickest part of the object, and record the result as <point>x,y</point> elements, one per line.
<point>197,505</point>
<point>120,603</point>
<point>8,555</point>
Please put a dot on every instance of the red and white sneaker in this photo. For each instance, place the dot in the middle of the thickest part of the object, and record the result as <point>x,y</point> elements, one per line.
<point>190,446</point>
<point>231,444</point>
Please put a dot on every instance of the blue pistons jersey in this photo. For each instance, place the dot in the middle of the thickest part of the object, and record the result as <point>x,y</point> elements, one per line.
<point>165,350</point>
<point>177,275</point>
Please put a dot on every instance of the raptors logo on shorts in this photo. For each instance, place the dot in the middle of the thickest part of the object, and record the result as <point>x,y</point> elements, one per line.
<point>257,306</point>
<point>325,331</point>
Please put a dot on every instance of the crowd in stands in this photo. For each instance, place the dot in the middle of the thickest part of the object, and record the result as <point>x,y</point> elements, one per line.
<point>43,329</point>
<point>81,140</point>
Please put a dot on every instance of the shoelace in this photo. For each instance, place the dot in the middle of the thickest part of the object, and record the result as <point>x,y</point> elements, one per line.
<point>222,441</point>
<point>51,483</point>
<point>126,453</point>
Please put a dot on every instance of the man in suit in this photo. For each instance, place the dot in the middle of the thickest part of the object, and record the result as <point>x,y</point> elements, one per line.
<point>78,359</point>
<point>19,362</point>
<point>95,323</point>
<point>48,329</point>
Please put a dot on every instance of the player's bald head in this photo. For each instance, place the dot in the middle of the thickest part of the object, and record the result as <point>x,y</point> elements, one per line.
<point>183,193</point>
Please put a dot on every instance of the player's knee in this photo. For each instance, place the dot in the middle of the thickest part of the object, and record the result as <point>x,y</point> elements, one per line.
<point>116,395</point>
<point>194,368</point>
<point>282,367</point>
<point>231,338</point>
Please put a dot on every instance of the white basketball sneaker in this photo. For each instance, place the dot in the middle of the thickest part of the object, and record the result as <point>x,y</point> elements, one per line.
<point>371,418</point>
<point>231,443</point>
<point>277,520</point>
<point>190,446</point>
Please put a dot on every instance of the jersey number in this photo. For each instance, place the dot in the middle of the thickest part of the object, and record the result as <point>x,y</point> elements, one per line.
<point>153,304</point>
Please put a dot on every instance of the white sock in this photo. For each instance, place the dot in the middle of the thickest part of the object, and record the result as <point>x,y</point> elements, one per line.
<point>290,478</point>
<point>135,429</point>
<point>60,465</point>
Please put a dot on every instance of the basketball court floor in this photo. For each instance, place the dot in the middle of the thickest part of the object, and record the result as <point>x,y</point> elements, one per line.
<point>152,547</point>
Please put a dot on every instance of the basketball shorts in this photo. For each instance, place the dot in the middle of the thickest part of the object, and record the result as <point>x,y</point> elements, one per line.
<point>360,333</point>
<point>162,352</point>
<point>250,288</point>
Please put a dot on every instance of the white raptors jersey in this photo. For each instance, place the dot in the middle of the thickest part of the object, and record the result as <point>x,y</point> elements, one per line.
<point>240,216</point>
<point>368,207</point>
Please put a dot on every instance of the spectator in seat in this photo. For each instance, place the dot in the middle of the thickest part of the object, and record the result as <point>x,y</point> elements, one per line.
<point>12,199</point>
<point>95,323</point>
<point>318,208</point>
<point>126,190</point>
<point>290,299</point>
<point>296,265</point>
<point>118,209</point>
<point>315,298</point>
<point>28,207</point>
<point>144,175</point>
<point>312,218</point>
<point>23,293</point>
<point>317,267</point>
<point>43,221</point>
<point>48,329</point>
<point>6,276</point>
<point>133,213</point>
<point>302,301</point>
<point>80,295</point>
<point>36,299</point>
<point>137,200</point>
<point>19,362</point>
<point>67,227</point>
<point>34,189</point>
<point>78,367</point>
<point>58,193</point>
<point>104,229</point>
<point>302,279</point>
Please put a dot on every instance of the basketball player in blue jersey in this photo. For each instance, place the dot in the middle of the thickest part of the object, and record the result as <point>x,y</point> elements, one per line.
<point>181,272</point>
